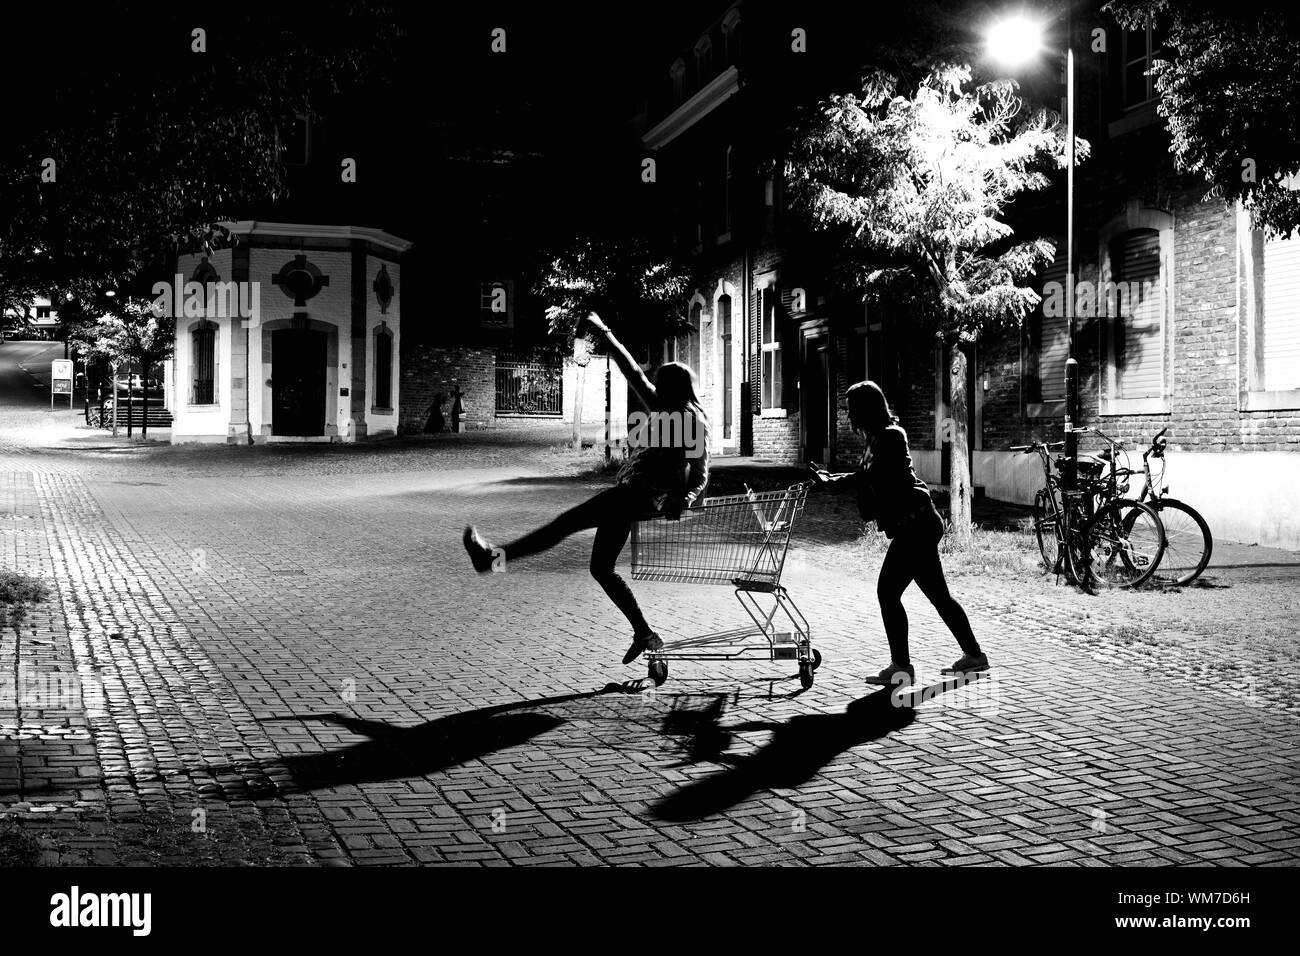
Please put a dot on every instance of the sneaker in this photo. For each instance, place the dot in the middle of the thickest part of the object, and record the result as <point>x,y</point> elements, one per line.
<point>969,663</point>
<point>649,641</point>
<point>480,552</point>
<point>895,674</point>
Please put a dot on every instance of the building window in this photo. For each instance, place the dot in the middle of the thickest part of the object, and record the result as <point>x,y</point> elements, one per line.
<point>1049,340</point>
<point>731,38</point>
<point>1138,52</point>
<point>383,368</point>
<point>677,73</point>
<point>703,62</point>
<point>770,345</point>
<point>701,213</point>
<point>724,334</point>
<point>1277,350</point>
<point>1137,333</point>
<point>728,176</point>
<point>496,304</point>
<point>685,346</point>
<point>295,141</point>
<point>203,364</point>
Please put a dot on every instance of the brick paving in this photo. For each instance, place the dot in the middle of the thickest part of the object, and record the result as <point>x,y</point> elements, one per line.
<point>288,661</point>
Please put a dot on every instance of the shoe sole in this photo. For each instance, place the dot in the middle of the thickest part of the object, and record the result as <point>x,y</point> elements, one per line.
<point>656,646</point>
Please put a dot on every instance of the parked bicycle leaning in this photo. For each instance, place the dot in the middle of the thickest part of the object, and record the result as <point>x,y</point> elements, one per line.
<point>890,493</point>
<point>1188,541</point>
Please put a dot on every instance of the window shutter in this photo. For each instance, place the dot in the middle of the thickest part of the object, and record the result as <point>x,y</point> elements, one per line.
<point>1139,346</point>
<point>787,301</point>
<point>1281,326</point>
<point>755,355</point>
<point>1054,332</point>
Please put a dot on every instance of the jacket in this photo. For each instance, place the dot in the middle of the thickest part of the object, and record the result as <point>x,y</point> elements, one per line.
<point>888,490</point>
<point>670,455</point>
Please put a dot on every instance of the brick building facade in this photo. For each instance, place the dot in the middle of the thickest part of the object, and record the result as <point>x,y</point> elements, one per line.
<point>774,345</point>
<point>1207,345</point>
<point>1199,335</point>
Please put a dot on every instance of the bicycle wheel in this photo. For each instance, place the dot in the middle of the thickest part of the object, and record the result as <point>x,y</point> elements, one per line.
<point>1124,542</point>
<point>1074,551</point>
<point>1188,543</point>
<point>1047,529</point>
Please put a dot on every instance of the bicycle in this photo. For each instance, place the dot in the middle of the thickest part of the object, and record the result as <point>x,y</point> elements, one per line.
<point>1097,538</point>
<point>1057,529</point>
<point>1126,538</point>
<point>1188,542</point>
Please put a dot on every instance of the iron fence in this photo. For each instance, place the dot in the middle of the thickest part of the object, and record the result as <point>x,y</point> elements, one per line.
<point>526,385</point>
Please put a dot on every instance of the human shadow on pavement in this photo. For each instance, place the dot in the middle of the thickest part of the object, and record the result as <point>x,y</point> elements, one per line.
<point>395,753</point>
<point>798,750</point>
<point>401,752</point>
<point>389,752</point>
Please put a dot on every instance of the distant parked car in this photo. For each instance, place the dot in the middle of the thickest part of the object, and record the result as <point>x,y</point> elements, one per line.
<point>134,383</point>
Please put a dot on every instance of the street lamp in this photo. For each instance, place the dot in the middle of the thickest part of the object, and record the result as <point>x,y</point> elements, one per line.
<point>1012,42</point>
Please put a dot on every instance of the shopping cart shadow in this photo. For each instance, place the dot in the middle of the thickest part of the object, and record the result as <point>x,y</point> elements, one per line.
<point>798,750</point>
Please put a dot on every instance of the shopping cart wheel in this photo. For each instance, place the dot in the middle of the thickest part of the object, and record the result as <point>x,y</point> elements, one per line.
<point>806,674</point>
<point>817,659</point>
<point>658,671</point>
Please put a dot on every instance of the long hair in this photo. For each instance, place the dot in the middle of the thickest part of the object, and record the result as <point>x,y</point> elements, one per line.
<point>868,405</point>
<point>675,386</point>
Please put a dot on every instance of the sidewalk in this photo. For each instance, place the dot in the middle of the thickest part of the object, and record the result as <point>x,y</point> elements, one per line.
<point>1229,558</point>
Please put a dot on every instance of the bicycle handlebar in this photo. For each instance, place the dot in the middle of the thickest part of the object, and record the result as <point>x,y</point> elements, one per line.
<point>1158,444</point>
<point>1034,446</point>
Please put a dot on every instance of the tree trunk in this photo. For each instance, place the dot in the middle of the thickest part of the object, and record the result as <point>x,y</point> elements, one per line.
<point>580,386</point>
<point>960,492</point>
<point>112,390</point>
<point>130,402</point>
<point>144,400</point>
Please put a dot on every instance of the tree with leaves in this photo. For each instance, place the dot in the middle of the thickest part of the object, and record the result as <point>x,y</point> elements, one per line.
<point>134,331</point>
<point>1228,79</point>
<point>106,173</point>
<point>637,288</point>
<point>913,186</point>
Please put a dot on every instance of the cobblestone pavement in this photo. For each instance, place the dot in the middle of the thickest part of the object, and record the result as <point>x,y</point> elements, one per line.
<point>291,662</point>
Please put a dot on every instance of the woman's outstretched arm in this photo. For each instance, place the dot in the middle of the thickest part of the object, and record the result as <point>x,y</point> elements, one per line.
<point>631,370</point>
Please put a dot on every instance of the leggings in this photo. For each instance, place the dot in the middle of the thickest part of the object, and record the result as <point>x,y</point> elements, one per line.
<point>611,513</point>
<point>913,555</point>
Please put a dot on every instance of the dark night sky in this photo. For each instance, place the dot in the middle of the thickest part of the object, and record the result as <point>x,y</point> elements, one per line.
<point>572,79</point>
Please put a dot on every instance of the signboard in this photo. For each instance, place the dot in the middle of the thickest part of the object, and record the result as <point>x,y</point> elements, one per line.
<point>61,380</point>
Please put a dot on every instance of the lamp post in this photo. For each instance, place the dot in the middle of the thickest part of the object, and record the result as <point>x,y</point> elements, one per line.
<point>1012,42</point>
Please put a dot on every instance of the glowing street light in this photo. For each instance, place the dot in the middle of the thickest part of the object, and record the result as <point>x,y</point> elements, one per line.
<point>1015,40</point>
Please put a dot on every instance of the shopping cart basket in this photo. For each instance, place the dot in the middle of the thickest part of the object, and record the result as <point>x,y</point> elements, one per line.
<point>736,540</point>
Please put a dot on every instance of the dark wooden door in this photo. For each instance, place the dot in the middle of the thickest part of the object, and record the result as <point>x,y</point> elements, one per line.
<point>297,382</point>
<point>815,392</point>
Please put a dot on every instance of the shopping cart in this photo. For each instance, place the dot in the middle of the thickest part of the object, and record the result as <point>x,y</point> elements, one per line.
<point>736,540</point>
